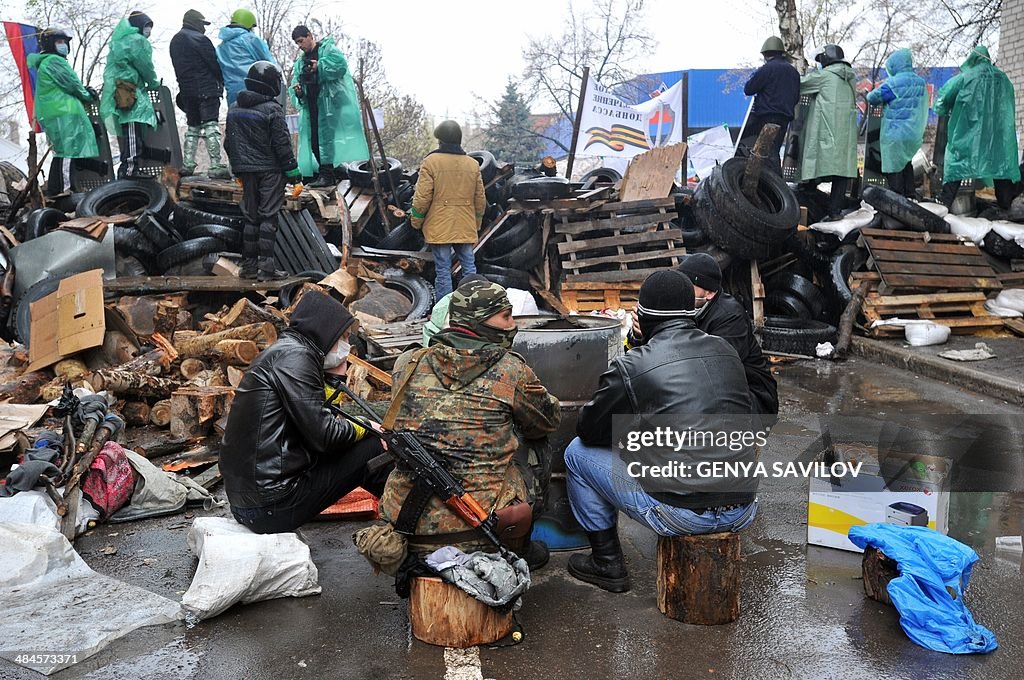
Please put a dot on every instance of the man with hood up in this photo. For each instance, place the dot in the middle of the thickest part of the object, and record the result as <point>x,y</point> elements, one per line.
<point>60,108</point>
<point>285,457</point>
<point>829,141</point>
<point>127,78</point>
<point>981,138</point>
<point>330,115</point>
<point>904,96</point>
<point>200,85</point>
<point>469,399</point>
<point>239,49</point>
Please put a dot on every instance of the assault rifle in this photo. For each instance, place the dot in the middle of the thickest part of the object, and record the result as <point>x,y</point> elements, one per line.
<point>409,451</point>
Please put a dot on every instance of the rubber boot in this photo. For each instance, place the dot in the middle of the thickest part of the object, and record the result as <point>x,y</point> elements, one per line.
<point>250,251</point>
<point>605,567</point>
<point>188,150</point>
<point>266,265</point>
<point>211,133</point>
<point>325,178</point>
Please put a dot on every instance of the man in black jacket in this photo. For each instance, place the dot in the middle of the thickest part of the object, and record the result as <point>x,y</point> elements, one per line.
<point>200,84</point>
<point>775,87</point>
<point>285,457</point>
<point>260,150</point>
<point>681,376</point>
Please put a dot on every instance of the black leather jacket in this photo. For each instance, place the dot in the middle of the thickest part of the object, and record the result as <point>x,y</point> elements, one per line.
<point>278,423</point>
<point>256,135</point>
<point>680,370</point>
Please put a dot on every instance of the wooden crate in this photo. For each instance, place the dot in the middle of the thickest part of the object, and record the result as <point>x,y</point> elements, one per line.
<point>963,312</point>
<point>622,242</point>
<point>224,191</point>
<point>595,297</point>
<point>910,261</point>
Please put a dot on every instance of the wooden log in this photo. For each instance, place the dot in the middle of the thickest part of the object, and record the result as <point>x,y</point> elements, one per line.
<point>213,377</point>
<point>135,384</point>
<point>117,348</point>
<point>161,445</point>
<point>244,313</point>
<point>847,319</point>
<point>236,352</point>
<point>153,362</point>
<point>878,570</point>
<point>136,413</point>
<point>191,367</point>
<point>70,369</point>
<point>24,390</point>
<point>443,615</point>
<point>261,333</point>
<point>235,376</point>
<point>193,409</point>
<point>699,578</point>
<point>755,164</point>
<point>160,413</point>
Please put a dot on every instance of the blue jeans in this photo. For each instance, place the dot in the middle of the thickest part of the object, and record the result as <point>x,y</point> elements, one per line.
<point>599,487</point>
<point>443,265</point>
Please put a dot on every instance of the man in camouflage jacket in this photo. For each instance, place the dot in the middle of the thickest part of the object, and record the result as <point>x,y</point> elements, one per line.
<point>469,399</point>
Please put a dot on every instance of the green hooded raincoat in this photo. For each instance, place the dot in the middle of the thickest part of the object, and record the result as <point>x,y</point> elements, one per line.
<point>130,59</point>
<point>982,134</point>
<point>830,132</point>
<point>60,108</point>
<point>340,118</point>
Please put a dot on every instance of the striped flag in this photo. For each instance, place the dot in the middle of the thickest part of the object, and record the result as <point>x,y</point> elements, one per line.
<point>23,41</point>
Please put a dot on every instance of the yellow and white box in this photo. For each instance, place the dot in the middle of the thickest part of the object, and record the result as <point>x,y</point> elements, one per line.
<point>891,488</point>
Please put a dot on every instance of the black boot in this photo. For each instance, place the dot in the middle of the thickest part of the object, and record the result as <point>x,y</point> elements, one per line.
<point>536,555</point>
<point>605,567</point>
<point>266,266</point>
<point>250,250</point>
<point>325,178</point>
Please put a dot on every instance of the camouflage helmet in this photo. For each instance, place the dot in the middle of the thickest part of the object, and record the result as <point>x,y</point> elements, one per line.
<point>773,44</point>
<point>474,302</point>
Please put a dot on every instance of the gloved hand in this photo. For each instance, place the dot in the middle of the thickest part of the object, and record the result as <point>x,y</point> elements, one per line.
<point>294,173</point>
<point>92,93</point>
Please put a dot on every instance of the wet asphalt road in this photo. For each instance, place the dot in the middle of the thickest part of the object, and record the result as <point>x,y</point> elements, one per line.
<point>803,612</point>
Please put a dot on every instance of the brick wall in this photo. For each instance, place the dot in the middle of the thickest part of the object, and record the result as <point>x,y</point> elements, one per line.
<point>1011,52</point>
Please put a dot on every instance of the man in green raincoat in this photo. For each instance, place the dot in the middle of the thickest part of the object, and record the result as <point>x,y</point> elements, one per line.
<point>127,77</point>
<point>829,140</point>
<point>60,108</point>
<point>904,96</point>
<point>330,118</point>
<point>981,138</point>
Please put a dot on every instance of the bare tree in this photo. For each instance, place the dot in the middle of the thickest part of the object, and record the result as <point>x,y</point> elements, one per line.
<point>609,37</point>
<point>275,20</point>
<point>791,31</point>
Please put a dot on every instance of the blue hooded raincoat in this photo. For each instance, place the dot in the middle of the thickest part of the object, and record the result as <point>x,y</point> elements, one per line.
<point>905,113</point>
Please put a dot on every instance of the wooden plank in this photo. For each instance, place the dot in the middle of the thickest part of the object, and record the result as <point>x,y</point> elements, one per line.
<point>595,286</point>
<point>377,374</point>
<point>623,240</point>
<point>970,322</point>
<point>923,237</point>
<point>902,300</point>
<point>911,281</point>
<point>636,206</point>
<point>169,284</point>
<point>911,247</point>
<point>615,277</point>
<point>1014,325</point>
<point>650,175</point>
<point>929,257</point>
<point>1012,279</point>
<point>623,259</point>
<point>556,304</point>
<point>937,269</point>
<point>610,223</point>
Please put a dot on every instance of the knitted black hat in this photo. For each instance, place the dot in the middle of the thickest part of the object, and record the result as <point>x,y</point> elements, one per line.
<point>667,294</point>
<point>139,20</point>
<point>320,318</point>
<point>702,270</point>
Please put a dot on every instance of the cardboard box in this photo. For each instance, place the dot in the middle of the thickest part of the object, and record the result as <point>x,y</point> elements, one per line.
<point>895,488</point>
<point>67,321</point>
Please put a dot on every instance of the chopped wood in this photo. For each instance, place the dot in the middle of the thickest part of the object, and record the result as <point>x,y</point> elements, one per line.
<point>226,267</point>
<point>553,301</point>
<point>383,377</point>
<point>235,376</point>
<point>24,390</point>
<point>153,362</point>
<point>137,384</point>
<point>698,578</point>
<point>236,352</point>
<point>118,348</point>
<point>162,445</point>
<point>136,413</point>
<point>244,313</point>
<point>441,614</point>
<point>755,163</point>
<point>847,319</point>
<point>211,377</point>
<point>262,333</point>
<point>197,457</point>
<point>878,570</point>
<point>70,369</point>
<point>191,367</point>
<point>193,409</point>
<point>160,413</point>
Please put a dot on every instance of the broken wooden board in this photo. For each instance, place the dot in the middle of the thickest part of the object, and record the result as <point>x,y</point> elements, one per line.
<point>910,261</point>
<point>651,174</point>
<point>212,284</point>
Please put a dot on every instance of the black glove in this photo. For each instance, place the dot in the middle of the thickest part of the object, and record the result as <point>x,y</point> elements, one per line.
<point>25,477</point>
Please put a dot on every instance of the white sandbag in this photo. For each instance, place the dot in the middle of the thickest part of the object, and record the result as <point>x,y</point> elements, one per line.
<point>29,507</point>
<point>928,333</point>
<point>53,601</point>
<point>237,565</point>
<point>1011,298</point>
<point>523,303</point>
<point>993,308</point>
<point>933,207</point>
<point>1011,231</point>
<point>975,229</point>
<point>861,217</point>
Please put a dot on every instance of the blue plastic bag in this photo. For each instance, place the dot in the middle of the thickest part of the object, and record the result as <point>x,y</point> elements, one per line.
<point>929,562</point>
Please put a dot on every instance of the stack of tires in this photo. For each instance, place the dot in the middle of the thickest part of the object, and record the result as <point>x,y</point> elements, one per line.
<point>511,253</point>
<point>901,213</point>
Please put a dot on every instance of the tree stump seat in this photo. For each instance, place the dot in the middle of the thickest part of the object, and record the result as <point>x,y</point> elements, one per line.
<point>699,578</point>
<point>442,614</point>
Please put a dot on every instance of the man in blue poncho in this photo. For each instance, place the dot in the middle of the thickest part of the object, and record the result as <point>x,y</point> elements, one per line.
<point>239,49</point>
<point>904,97</point>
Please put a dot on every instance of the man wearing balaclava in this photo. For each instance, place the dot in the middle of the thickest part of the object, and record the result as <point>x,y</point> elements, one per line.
<point>285,457</point>
<point>469,399</point>
<point>681,378</point>
<point>127,78</point>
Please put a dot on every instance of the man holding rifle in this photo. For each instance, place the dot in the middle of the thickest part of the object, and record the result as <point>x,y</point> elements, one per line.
<point>469,400</point>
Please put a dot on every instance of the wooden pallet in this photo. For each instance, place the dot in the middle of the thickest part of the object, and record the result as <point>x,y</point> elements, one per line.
<point>580,202</point>
<point>225,191</point>
<point>910,261</point>
<point>620,242</point>
<point>963,312</point>
<point>595,297</point>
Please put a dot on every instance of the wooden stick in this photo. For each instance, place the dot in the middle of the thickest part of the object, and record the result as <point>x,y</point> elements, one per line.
<point>847,319</point>
<point>138,384</point>
<point>755,164</point>
<point>576,123</point>
<point>374,372</point>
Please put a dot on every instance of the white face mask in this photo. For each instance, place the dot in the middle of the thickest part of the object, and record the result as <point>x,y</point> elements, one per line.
<point>340,352</point>
<point>63,49</point>
<point>146,30</point>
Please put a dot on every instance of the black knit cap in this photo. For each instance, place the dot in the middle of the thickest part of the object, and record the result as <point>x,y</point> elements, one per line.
<point>320,318</point>
<point>702,270</point>
<point>139,20</point>
<point>667,294</point>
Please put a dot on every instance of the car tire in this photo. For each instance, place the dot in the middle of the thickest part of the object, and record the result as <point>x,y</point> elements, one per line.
<point>157,230</point>
<point>188,250</point>
<point>42,221</point>
<point>901,208</point>
<point>602,175</point>
<point>504,276</point>
<point>488,165</point>
<point>541,188</point>
<point>129,265</point>
<point>795,336</point>
<point>361,175</point>
<point>188,215</point>
<point>720,232</point>
<point>785,303</point>
<point>845,261</point>
<point>130,241</point>
<point>773,224</point>
<point>232,238</point>
<point>804,290</point>
<point>523,257</point>
<point>403,236</point>
<point>126,195</point>
<point>515,232</point>
<point>415,288</point>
